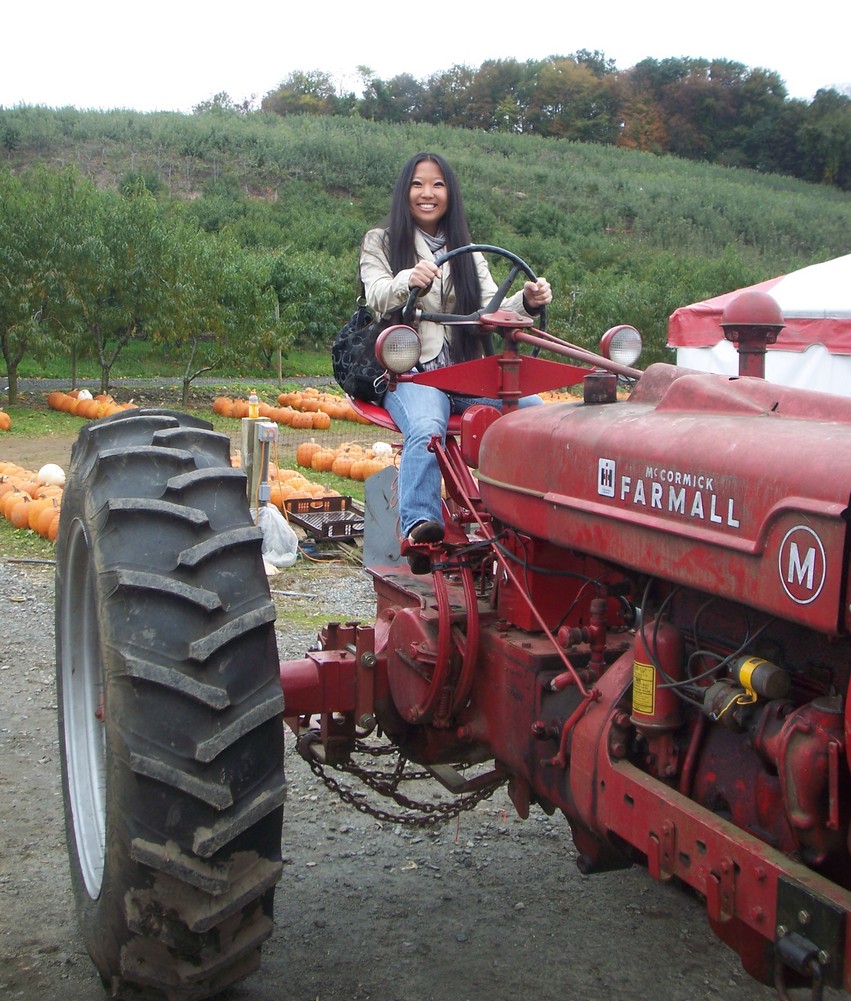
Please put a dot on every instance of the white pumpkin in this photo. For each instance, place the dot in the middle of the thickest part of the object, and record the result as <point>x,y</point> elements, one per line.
<point>51,475</point>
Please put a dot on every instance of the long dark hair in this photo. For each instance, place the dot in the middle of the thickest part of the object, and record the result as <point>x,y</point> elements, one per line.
<point>401,229</point>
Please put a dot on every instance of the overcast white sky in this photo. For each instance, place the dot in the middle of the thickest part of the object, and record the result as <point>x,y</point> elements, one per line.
<point>156,55</point>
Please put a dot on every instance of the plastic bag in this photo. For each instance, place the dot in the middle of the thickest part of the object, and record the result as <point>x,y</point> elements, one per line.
<point>280,543</point>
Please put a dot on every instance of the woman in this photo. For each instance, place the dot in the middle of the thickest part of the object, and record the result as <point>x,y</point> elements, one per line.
<point>426,220</point>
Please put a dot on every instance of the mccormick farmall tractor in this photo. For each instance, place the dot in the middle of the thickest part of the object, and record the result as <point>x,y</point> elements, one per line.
<point>639,617</point>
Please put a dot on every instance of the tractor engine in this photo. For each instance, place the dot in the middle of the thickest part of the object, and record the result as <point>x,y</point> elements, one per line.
<point>640,617</point>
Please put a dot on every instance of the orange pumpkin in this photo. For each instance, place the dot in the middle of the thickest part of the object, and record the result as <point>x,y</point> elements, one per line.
<point>5,421</point>
<point>301,421</point>
<point>34,509</point>
<point>342,465</point>
<point>46,516</point>
<point>8,501</point>
<point>19,511</point>
<point>304,453</point>
<point>322,460</point>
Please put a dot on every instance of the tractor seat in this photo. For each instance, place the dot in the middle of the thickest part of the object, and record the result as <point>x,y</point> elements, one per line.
<point>376,414</point>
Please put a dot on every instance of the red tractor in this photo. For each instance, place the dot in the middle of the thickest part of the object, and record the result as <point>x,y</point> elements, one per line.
<point>639,617</point>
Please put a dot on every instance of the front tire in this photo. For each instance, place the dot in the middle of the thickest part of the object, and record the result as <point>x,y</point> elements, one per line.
<point>170,708</point>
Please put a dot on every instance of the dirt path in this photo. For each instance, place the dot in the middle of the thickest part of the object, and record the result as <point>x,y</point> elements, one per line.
<point>488,908</point>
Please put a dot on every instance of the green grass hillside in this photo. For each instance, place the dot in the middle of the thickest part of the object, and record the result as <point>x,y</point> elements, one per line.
<point>624,237</point>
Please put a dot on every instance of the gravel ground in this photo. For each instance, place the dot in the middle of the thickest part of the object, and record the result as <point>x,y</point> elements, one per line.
<point>484,908</point>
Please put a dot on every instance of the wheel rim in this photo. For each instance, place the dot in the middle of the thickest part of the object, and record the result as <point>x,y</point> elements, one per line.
<point>83,712</point>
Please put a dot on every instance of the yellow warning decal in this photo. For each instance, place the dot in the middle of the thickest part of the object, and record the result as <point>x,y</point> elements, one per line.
<point>643,688</point>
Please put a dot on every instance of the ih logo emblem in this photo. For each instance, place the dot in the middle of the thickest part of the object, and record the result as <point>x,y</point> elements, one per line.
<point>606,477</point>
<point>802,565</point>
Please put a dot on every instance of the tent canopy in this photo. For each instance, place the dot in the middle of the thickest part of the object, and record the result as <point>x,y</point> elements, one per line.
<point>816,306</point>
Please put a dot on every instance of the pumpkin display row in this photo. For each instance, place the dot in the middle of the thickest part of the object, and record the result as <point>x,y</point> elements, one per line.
<point>291,484</point>
<point>81,403</point>
<point>348,460</point>
<point>31,500</point>
<point>307,409</point>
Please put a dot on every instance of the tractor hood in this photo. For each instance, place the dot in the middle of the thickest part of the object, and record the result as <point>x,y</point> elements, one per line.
<point>732,486</point>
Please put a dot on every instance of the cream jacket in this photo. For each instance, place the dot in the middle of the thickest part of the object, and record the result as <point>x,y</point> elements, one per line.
<point>386,292</point>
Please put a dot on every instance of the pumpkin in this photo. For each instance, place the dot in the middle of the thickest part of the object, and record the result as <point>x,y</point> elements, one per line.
<point>48,514</point>
<point>8,501</point>
<point>304,452</point>
<point>288,474</point>
<point>372,466</point>
<point>19,511</point>
<point>322,460</point>
<point>6,486</point>
<point>5,421</point>
<point>35,508</point>
<point>321,421</point>
<point>342,465</point>
<point>51,474</point>
<point>301,421</point>
<point>53,528</point>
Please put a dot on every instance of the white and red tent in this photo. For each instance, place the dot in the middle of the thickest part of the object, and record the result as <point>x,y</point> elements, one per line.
<point>813,350</point>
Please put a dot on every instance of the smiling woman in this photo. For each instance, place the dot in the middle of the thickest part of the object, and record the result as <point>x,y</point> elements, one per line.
<point>412,253</point>
<point>428,199</point>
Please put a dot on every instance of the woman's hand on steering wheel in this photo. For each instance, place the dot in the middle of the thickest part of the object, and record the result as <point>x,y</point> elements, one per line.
<point>536,291</point>
<point>537,294</point>
<point>422,276</point>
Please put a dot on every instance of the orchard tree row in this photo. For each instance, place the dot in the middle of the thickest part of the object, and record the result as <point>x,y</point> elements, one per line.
<point>85,272</point>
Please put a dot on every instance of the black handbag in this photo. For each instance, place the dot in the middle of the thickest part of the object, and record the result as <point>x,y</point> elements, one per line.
<point>353,360</point>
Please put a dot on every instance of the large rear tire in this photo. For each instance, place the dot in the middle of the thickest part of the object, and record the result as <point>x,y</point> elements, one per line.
<point>170,708</point>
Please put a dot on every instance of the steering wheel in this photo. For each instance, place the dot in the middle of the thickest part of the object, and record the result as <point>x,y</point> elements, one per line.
<point>518,266</point>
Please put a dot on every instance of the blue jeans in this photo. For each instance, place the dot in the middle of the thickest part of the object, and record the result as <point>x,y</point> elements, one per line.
<point>420,413</point>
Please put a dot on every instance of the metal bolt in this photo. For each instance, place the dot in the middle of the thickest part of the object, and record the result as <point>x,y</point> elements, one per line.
<point>782,931</point>
<point>368,659</point>
<point>823,957</point>
<point>804,917</point>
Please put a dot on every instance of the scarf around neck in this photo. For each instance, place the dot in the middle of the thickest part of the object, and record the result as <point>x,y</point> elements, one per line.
<point>434,243</point>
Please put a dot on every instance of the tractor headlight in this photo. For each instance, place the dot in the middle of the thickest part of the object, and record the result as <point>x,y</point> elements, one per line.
<point>398,348</point>
<point>621,344</point>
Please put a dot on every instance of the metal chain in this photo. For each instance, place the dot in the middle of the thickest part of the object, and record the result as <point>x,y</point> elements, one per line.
<point>386,783</point>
